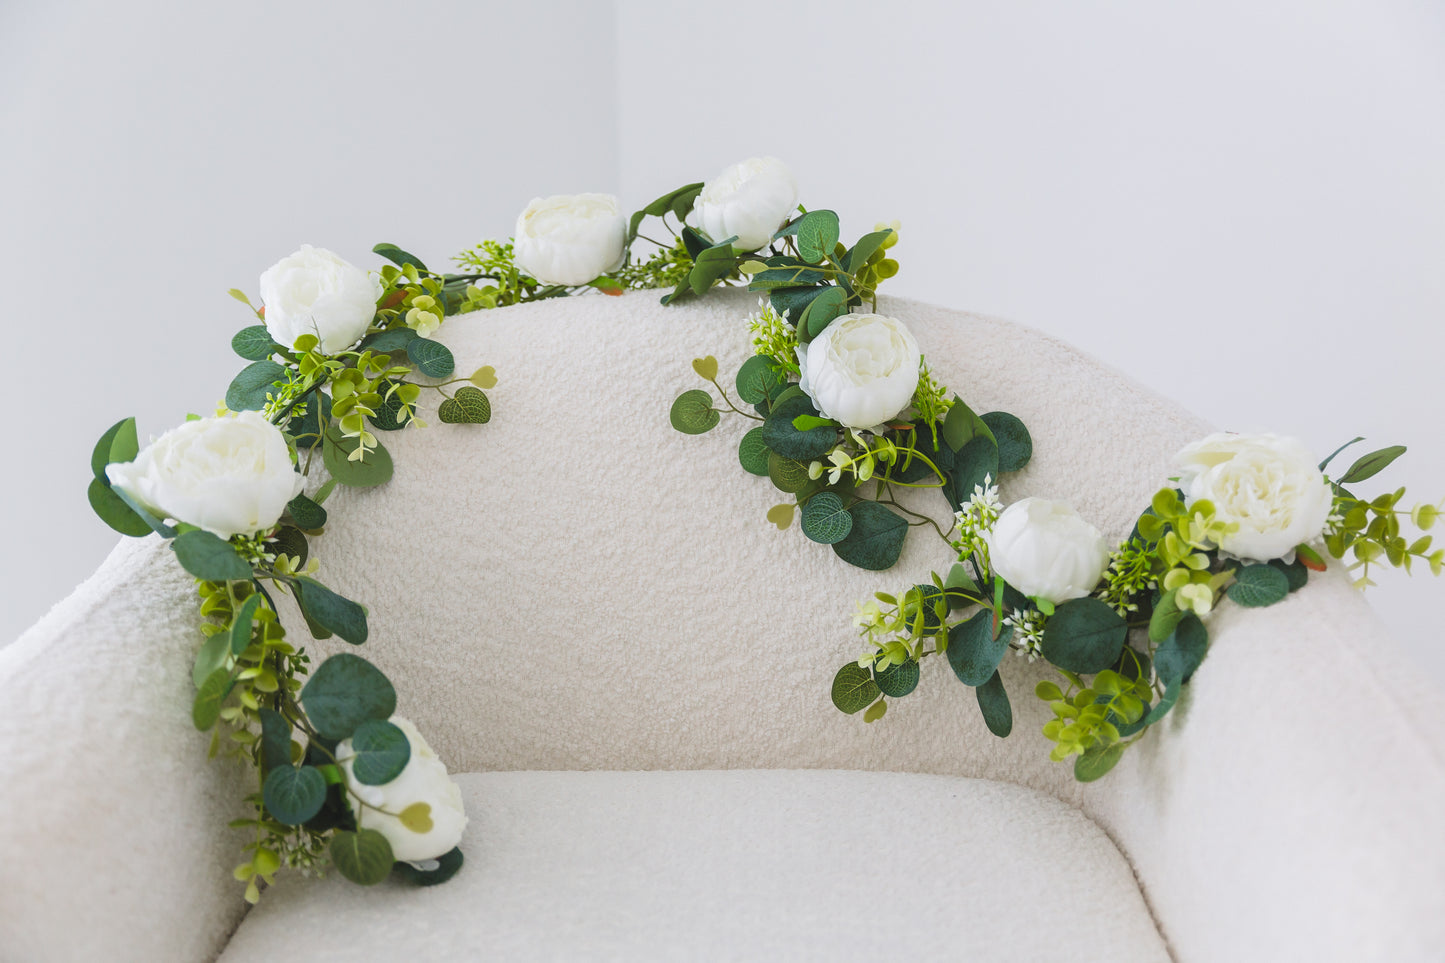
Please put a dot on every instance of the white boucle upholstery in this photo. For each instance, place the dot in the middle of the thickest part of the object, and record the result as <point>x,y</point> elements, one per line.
<point>577,586</point>
<point>744,865</point>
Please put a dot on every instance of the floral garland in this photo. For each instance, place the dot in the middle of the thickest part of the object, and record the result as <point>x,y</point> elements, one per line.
<point>849,411</point>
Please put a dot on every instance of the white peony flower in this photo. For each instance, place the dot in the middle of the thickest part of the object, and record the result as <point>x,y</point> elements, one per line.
<point>862,370</point>
<point>1046,550</point>
<point>317,292</point>
<point>571,239</point>
<point>1268,484</point>
<point>424,780</point>
<point>751,199</point>
<point>231,475</point>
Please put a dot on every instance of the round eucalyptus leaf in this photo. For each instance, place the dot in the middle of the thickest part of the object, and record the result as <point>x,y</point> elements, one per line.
<point>345,691</point>
<point>294,795</point>
<point>469,406</point>
<point>1097,762</point>
<point>364,857</point>
<point>785,439</point>
<point>1084,635</point>
<point>876,539</point>
<point>898,680</point>
<point>993,703</point>
<point>1015,445</point>
<point>432,358</point>
<point>756,379</point>
<point>974,651</point>
<point>753,453</point>
<point>825,520</point>
<point>382,752</point>
<point>1256,586</point>
<point>854,689</point>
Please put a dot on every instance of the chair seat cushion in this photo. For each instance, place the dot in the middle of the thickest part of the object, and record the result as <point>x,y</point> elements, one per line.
<point>735,865</point>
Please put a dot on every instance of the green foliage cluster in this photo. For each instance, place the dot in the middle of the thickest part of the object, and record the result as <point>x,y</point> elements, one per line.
<point>1370,530</point>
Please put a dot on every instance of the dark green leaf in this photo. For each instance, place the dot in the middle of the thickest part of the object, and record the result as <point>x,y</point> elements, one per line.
<point>788,301</point>
<point>756,379</point>
<point>993,703</point>
<point>781,436</point>
<point>712,265</point>
<point>210,557</point>
<point>305,428</point>
<point>388,412</point>
<point>241,625</point>
<point>388,342</point>
<point>679,202</point>
<point>345,691</point>
<point>1331,457</point>
<point>331,611</point>
<point>1256,586</point>
<point>1015,446</point>
<point>469,406</point>
<point>787,272</point>
<point>114,511</point>
<point>854,689</point>
<point>1096,762</point>
<point>375,469</point>
<point>898,680</point>
<point>974,651</point>
<point>1084,635</point>
<point>753,453</point>
<point>695,242</point>
<point>1296,573</point>
<point>275,740</point>
<point>432,358</point>
<point>692,413</point>
<point>397,256</point>
<point>254,343</point>
<point>973,467</point>
<point>447,866</point>
<point>1368,466</point>
<point>364,857</point>
<point>382,752</point>
<point>306,513</point>
<point>876,539</point>
<point>817,235</point>
<point>207,707</point>
<point>294,795</point>
<point>1166,702</point>
<point>821,312</point>
<point>249,389</point>
<point>156,525</point>
<point>290,540</point>
<point>961,425</point>
<point>1179,655</point>
<point>118,444</point>
<point>825,520</point>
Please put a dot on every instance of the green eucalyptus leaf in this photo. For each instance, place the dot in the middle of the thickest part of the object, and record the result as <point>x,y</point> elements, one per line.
<point>1256,586</point>
<point>876,539</point>
<point>1084,635</point>
<point>961,425</point>
<point>1095,763</point>
<point>294,795</point>
<point>787,300</point>
<point>118,444</point>
<point>973,466</point>
<point>788,475</point>
<point>1165,617</point>
<point>1172,689</point>
<point>254,343</point>
<point>1015,445</point>
<point>898,680</point>
<point>249,389</point>
<point>817,233</point>
<point>1179,655</point>
<point>345,691</point>
<point>1331,457</point>
<point>993,703</point>
<point>210,657</point>
<point>330,611</point>
<point>432,358</point>
<point>210,557</point>
<point>712,265</point>
<point>854,689</point>
<point>275,739</point>
<point>866,247</point>
<point>1296,573</point>
<point>306,513</point>
<point>388,342</point>
<point>781,436</point>
<point>692,413</point>
<point>382,752</point>
<point>375,469</point>
<point>756,379</point>
<point>206,708</point>
<point>107,503</point>
<point>290,540</point>
<point>790,273</point>
<point>825,520</point>
<point>753,453</point>
<point>822,311</point>
<point>974,651</point>
<point>364,857</point>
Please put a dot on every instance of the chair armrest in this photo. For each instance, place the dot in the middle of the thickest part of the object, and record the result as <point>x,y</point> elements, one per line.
<point>114,831</point>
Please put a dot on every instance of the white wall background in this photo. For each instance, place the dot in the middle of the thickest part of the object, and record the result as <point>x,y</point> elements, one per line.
<point>1241,204</point>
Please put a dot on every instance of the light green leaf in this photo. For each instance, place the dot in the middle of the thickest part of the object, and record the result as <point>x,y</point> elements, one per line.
<point>817,235</point>
<point>854,689</point>
<point>752,453</point>
<point>1095,763</point>
<point>484,377</point>
<point>706,368</point>
<point>692,413</point>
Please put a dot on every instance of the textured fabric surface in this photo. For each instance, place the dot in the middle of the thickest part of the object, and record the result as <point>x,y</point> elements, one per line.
<point>578,586</point>
<point>746,865</point>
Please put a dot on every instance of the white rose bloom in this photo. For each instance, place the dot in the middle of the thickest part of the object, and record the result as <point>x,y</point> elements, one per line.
<point>317,292</point>
<point>231,475</point>
<point>571,239</point>
<point>751,199</point>
<point>862,370</point>
<point>1046,550</point>
<point>1268,484</point>
<point>424,780</point>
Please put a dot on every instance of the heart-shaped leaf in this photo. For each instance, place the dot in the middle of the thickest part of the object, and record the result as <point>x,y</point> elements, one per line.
<point>469,406</point>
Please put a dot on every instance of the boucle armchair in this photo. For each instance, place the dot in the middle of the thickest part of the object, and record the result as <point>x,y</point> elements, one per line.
<point>591,619</point>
